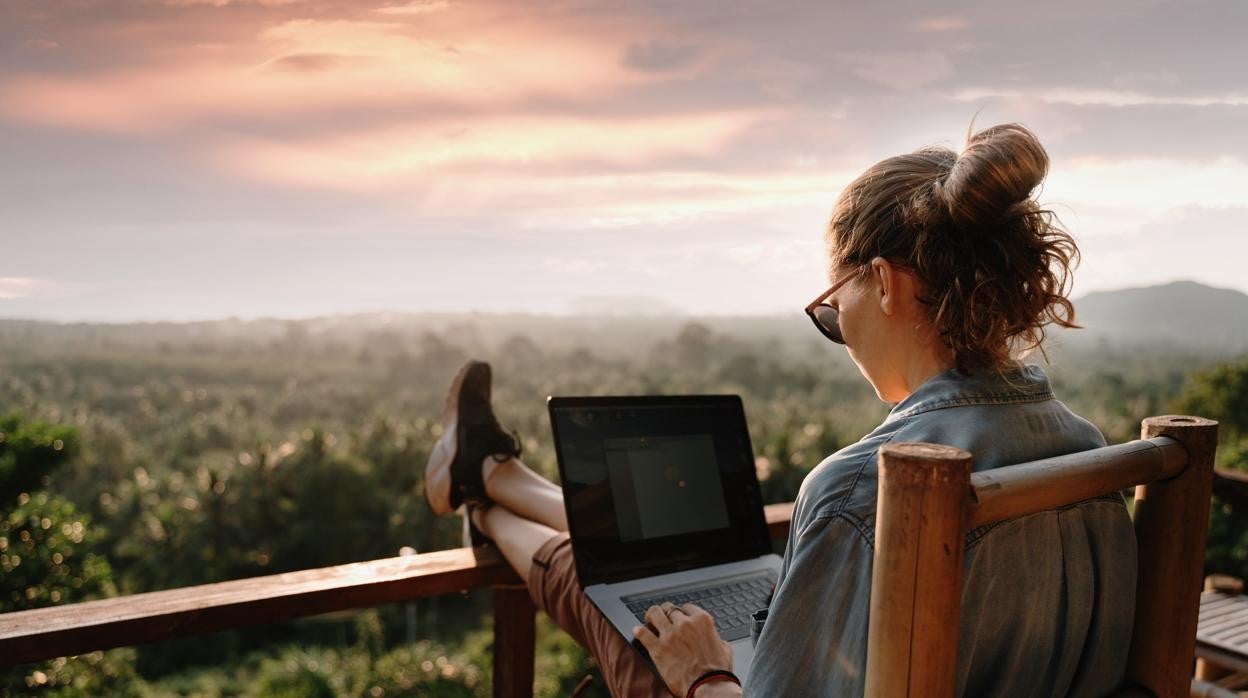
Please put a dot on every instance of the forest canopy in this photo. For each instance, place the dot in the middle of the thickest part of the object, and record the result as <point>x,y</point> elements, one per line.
<point>173,455</point>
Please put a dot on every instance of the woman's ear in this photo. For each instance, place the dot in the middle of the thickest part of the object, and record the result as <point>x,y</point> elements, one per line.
<point>889,282</point>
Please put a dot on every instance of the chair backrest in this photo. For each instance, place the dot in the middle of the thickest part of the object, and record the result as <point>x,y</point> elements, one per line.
<point>929,499</point>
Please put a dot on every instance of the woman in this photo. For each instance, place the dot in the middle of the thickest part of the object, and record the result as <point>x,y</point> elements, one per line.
<point>943,270</point>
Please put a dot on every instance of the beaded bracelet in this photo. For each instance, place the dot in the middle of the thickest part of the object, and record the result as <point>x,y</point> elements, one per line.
<point>712,675</point>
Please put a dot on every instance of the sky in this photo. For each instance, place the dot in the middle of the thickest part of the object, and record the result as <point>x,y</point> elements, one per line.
<point>198,159</point>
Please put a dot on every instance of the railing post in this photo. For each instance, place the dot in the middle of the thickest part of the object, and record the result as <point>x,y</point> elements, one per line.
<point>1171,523</point>
<point>514,638</point>
<point>920,533</point>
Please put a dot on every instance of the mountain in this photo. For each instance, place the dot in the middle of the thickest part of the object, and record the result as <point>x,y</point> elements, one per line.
<point>1182,314</point>
<point>1180,317</point>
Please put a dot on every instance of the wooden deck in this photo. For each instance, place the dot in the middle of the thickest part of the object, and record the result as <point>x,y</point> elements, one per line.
<point>1222,631</point>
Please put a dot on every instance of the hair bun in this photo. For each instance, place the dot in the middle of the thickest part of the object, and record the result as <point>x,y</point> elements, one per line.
<point>998,169</point>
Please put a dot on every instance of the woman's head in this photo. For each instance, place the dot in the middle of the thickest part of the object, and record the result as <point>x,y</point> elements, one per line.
<point>975,266</point>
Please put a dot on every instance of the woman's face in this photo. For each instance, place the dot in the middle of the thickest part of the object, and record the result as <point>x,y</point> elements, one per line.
<point>875,338</point>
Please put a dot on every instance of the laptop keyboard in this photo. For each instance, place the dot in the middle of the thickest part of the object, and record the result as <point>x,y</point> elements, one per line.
<point>730,602</point>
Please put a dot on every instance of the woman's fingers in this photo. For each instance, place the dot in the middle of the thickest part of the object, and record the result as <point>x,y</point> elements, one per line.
<point>646,637</point>
<point>696,613</point>
<point>657,617</point>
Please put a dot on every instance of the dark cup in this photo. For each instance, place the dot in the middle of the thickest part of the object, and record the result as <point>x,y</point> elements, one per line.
<point>757,619</point>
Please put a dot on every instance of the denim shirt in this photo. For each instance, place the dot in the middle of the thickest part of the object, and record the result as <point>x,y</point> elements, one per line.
<point>1048,599</point>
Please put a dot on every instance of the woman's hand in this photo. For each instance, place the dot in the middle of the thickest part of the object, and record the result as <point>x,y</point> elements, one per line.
<point>683,644</point>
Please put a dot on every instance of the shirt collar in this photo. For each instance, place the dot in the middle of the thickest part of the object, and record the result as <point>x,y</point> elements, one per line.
<point>1021,383</point>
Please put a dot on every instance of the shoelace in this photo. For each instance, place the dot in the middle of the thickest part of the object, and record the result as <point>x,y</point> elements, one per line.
<point>501,444</point>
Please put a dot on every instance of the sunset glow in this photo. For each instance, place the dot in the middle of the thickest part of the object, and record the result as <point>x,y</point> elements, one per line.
<point>154,148</point>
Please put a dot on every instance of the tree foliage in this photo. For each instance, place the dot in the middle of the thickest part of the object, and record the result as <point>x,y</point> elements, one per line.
<point>46,555</point>
<point>1221,393</point>
<point>210,452</point>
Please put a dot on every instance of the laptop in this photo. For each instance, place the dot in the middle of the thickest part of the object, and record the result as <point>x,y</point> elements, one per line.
<point>663,504</point>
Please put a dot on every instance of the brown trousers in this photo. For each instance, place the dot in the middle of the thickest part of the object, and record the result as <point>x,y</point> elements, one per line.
<point>555,590</point>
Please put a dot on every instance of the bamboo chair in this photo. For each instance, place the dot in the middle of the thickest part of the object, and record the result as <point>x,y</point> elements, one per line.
<point>929,499</point>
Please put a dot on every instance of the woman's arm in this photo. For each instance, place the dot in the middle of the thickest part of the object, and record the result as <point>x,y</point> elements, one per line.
<point>815,639</point>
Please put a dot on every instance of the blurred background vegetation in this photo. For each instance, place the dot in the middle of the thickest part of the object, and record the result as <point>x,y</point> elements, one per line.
<point>142,457</point>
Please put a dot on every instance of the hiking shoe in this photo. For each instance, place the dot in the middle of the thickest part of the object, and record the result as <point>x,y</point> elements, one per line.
<point>470,432</point>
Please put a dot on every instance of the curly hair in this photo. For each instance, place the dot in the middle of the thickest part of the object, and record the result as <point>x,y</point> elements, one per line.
<point>994,266</point>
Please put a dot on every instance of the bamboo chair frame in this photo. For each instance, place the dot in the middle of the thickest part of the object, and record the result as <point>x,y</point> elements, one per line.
<point>928,500</point>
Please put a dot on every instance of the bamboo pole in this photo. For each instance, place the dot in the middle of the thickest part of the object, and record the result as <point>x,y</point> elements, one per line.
<point>1171,523</point>
<point>920,532</point>
<point>1019,490</point>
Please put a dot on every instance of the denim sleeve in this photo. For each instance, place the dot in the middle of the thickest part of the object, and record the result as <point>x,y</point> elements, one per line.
<point>814,642</point>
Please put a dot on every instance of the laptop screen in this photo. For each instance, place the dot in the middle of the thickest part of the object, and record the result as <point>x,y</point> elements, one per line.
<point>657,484</point>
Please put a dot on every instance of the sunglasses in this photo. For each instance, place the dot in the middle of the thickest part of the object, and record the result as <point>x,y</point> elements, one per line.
<point>825,316</point>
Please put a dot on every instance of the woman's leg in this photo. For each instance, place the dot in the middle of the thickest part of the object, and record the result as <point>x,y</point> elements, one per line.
<point>513,485</point>
<point>543,558</point>
<point>528,524</point>
<point>517,537</point>
<point>527,512</point>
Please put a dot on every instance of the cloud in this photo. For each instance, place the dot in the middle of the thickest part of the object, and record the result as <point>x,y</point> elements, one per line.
<point>406,155</point>
<point>660,55</point>
<point>1185,242</point>
<point>1081,96</point>
<point>416,7</point>
<point>574,266</point>
<point>16,287</point>
<point>941,24</point>
<point>226,3</point>
<point>1147,187</point>
<point>311,64</point>
<point>781,257</point>
<point>900,70</point>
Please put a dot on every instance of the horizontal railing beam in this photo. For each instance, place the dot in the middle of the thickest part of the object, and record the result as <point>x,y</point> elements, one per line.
<point>57,631</point>
<point>778,518</point>
<point>1027,488</point>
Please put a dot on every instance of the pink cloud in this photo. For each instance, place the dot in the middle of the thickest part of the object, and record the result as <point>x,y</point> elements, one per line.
<point>401,156</point>
<point>416,7</point>
<point>941,24</point>
<point>456,57</point>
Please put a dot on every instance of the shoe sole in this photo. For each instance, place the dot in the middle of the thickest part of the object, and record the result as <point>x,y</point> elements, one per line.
<point>438,468</point>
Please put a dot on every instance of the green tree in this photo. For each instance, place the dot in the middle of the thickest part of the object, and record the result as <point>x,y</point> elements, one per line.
<point>1221,393</point>
<point>44,558</point>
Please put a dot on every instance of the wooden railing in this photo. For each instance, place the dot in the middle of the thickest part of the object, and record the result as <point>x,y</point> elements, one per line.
<point>57,631</point>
